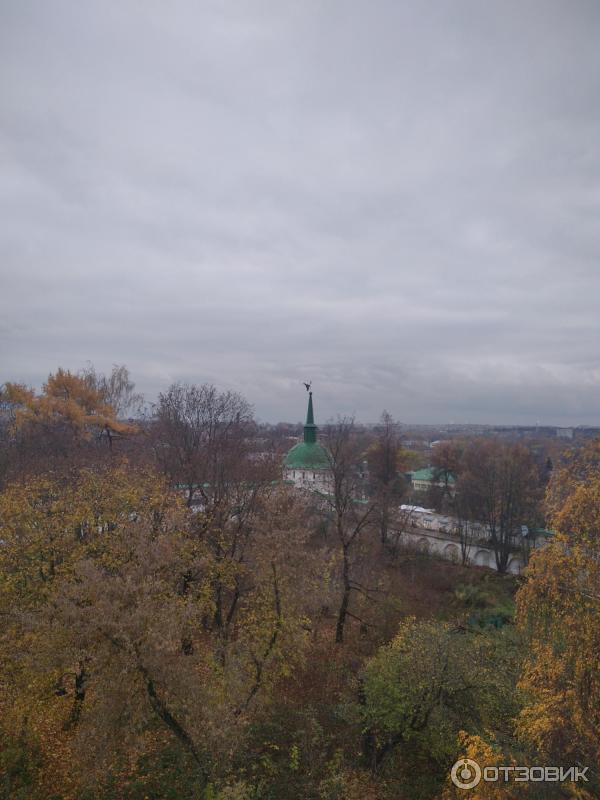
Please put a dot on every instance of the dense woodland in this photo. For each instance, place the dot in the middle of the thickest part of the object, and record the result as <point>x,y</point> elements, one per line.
<point>176,622</point>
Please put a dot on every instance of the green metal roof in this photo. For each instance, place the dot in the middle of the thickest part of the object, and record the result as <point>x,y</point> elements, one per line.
<point>426,474</point>
<point>307,455</point>
<point>422,474</point>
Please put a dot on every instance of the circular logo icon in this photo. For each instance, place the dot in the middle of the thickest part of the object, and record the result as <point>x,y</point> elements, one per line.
<point>466,773</point>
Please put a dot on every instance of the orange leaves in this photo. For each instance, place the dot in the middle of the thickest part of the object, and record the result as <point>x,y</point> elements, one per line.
<point>17,393</point>
<point>66,399</point>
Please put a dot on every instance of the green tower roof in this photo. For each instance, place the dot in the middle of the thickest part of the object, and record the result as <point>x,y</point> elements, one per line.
<point>310,429</point>
<point>308,454</point>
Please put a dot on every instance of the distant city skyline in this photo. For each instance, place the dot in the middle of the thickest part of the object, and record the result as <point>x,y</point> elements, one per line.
<point>298,403</point>
<point>399,202</point>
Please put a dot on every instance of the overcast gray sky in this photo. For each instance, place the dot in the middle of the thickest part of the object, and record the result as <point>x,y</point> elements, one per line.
<point>397,200</point>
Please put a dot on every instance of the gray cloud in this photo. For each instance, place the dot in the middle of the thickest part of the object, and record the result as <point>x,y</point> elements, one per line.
<point>400,201</point>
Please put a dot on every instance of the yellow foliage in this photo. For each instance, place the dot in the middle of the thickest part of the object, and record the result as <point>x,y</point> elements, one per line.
<point>66,399</point>
<point>558,611</point>
<point>106,578</point>
<point>485,755</point>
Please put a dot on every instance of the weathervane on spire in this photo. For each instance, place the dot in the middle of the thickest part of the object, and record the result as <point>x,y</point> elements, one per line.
<point>308,385</point>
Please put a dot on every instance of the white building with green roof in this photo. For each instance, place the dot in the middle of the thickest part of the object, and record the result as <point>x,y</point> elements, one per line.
<point>307,463</point>
<point>423,479</point>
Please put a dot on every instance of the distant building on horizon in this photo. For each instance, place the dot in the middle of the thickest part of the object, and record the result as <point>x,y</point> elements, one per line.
<point>564,433</point>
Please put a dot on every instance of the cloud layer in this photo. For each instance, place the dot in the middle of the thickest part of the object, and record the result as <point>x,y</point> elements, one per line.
<point>399,201</point>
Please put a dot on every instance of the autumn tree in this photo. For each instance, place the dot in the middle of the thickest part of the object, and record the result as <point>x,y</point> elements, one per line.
<point>201,439</point>
<point>486,752</point>
<point>558,611</point>
<point>384,457</point>
<point>350,511</point>
<point>429,683</point>
<point>117,390</point>
<point>446,460</point>
<point>7,411</point>
<point>402,520</point>
<point>107,649</point>
<point>59,427</point>
<point>48,525</point>
<point>465,520</point>
<point>499,485</point>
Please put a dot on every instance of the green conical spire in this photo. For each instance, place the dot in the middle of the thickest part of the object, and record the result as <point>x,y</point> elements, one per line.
<point>310,429</point>
<point>308,455</point>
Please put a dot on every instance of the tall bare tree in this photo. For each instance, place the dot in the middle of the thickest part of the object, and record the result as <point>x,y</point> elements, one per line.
<point>351,512</point>
<point>500,487</point>
<point>201,439</point>
<point>446,460</point>
<point>116,389</point>
<point>402,520</point>
<point>465,528</point>
<point>386,483</point>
